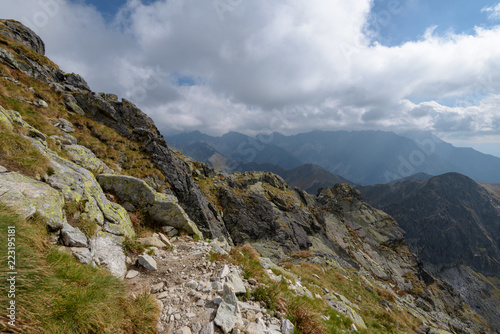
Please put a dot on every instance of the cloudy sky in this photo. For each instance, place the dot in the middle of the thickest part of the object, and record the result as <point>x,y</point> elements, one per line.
<point>286,65</point>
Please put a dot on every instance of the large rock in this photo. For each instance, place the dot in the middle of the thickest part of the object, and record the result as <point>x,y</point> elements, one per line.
<point>73,237</point>
<point>236,283</point>
<point>147,262</point>
<point>228,314</point>
<point>162,208</point>
<point>108,252</point>
<point>28,196</point>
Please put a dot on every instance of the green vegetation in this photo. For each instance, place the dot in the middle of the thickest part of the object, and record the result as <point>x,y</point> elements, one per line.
<point>315,316</point>
<point>18,154</point>
<point>73,212</point>
<point>70,297</point>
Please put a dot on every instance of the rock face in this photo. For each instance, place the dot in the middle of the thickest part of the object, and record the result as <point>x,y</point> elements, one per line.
<point>22,34</point>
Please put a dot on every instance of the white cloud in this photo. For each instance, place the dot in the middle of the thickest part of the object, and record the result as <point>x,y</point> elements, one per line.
<point>288,66</point>
<point>494,12</point>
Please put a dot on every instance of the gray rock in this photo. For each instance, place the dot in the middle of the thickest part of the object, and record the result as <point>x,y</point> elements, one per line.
<point>65,125</point>
<point>147,262</point>
<point>73,237</point>
<point>3,169</point>
<point>84,255</point>
<point>109,253</point>
<point>41,103</point>
<point>208,328</point>
<point>228,313</point>
<point>131,274</point>
<point>157,287</point>
<point>170,231</point>
<point>287,327</point>
<point>217,300</point>
<point>224,271</point>
<point>192,284</point>
<point>236,283</point>
<point>165,240</point>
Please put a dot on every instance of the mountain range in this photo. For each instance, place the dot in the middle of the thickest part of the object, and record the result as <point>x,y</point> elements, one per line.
<point>363,157</point>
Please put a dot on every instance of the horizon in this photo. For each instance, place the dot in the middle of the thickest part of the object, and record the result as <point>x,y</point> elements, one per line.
<point>287,67</point>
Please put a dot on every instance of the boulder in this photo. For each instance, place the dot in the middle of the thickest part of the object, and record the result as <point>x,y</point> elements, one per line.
<point>28,196</point>
<point>73,237</point>
<point>228,313</point>
<point>109,253</point>
<point>287,327</point>
<point>147,262</point>
<point>162,208</point>
<point>236,283</point>
<point>349,312</point>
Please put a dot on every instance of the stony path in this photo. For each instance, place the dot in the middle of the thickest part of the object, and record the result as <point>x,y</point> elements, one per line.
<point>192,294</point>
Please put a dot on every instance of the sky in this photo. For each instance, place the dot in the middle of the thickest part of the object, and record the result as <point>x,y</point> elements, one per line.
<point>289,66</point>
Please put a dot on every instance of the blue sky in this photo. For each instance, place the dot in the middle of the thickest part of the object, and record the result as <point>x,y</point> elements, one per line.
<point>459,16</point>
<point>287,65</point>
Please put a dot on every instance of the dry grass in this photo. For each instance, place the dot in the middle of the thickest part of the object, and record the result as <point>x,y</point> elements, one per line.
<point>303,254</point>
<point>56,294</point>
<point>18,154</point>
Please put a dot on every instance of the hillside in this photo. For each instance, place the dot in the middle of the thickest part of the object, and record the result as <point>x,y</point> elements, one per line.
<point>118,233</point>
<point>453,224</point>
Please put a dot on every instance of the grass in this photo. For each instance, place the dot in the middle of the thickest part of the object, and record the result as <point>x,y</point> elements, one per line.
<point>18,154</point>
<point>73,212</point>
<point>56,294</point>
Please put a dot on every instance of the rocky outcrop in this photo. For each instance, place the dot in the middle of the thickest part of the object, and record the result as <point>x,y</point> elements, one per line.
<point>22,34</point>
<point>85,158</point>
<point>163,209</point>
<point>29,196</point>
<point>129,121</point>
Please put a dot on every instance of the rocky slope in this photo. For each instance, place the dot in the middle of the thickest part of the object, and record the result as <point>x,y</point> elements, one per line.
<point>100,172</point>
<point>453,224</point>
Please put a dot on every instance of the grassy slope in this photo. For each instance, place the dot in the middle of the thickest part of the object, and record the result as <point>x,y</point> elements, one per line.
<point>56,294</point>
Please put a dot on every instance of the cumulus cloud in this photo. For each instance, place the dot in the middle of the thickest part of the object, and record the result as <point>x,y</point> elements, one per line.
<point>288,66</point>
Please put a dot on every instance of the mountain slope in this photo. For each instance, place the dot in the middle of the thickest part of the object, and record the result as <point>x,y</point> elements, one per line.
<point>453,224</point>
<point>107,186</point>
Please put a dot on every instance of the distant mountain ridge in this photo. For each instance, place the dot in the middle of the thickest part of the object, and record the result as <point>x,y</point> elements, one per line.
<point>364,157</point>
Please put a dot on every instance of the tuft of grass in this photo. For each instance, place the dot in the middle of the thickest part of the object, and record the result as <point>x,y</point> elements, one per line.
<point>73,212</point>
<point>131,246</point>
<point>18,154</point>
<point>70,297</point>
<point>302,254</point>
